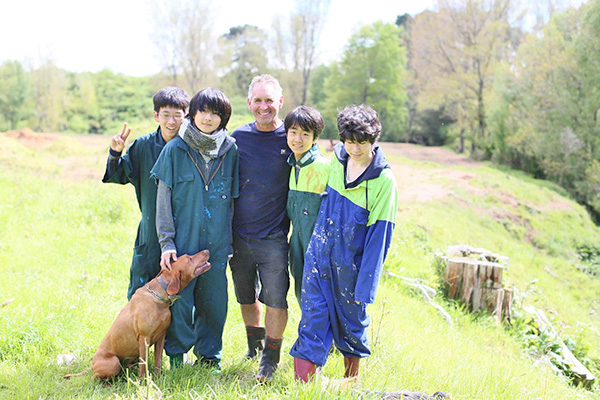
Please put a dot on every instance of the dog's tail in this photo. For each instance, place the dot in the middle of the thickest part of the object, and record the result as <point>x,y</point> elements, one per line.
<point>85,371</point>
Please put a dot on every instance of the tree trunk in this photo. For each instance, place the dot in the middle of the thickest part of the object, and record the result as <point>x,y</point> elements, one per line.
<point>474,277</point>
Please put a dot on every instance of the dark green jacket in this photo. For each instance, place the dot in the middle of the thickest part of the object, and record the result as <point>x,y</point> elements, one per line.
<point>201,203</point>
<point>304,198</point>
<point>134,167</point>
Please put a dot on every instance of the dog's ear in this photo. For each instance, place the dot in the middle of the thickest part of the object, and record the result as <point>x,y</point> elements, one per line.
<point>175,284</point>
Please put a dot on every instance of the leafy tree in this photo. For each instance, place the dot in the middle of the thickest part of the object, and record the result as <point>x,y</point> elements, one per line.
<point>295,46</point>
<point>15,92</point>
<point>548,103</point>
<point>49,85</point>
<point>82,104</point>
<point>316,93</point>
<point>121,98</point>
<point>306,26</point>
<point>455,52</point>
<point>244,56</point>
<point>371,71</point>
<point>186,40</point>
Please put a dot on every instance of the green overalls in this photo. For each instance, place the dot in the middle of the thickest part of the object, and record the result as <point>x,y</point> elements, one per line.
<point>134,167</point>
<point>201,207</point>
<point>304,198</point>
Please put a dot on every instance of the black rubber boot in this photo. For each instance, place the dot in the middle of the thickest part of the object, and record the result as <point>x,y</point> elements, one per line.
<point>269,360</point>
<point>176,361</point>
<point>256,339</point>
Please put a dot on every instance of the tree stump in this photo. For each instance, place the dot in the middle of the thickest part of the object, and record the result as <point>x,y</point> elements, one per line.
<point>474,277</point>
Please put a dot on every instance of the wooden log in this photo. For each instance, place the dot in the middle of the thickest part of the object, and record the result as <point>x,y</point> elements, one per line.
<point>467,279</point>
<point>468,283</point>
<point>488,300</point>
<point>497,274</point>
<point>507,305</point>
<point>454,278</point>
<point>499,299</point>
<point>479,270</point>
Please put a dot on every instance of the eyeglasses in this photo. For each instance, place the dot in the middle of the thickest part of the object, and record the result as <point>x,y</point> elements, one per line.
<point>168,116</point>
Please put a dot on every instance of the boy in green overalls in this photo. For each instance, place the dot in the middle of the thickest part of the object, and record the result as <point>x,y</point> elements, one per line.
<point>197,175</point>
<point>308,180</point>
<point>170,106</point>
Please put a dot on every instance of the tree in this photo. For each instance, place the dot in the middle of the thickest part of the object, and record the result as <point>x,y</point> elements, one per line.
<point>49,85</point>
<point>297,44</point>
<point>547,105</point>
<point>15,92</point>
<point>455,52</point>
<point>307,24</point>
<point>371,71</point>
<point>82,104</point>
<point>121,98</point>
<point>243,57</point>
<point>186,40</point>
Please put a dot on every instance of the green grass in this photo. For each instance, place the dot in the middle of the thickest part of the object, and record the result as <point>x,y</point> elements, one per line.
<point>65,250</point>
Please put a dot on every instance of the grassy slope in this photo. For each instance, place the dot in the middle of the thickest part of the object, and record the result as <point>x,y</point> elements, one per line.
<point>65,248</point>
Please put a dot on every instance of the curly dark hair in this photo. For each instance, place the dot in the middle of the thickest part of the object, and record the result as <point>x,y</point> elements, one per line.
<point>358,124</point>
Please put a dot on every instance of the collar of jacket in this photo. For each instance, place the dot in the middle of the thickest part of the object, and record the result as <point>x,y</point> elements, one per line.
<point>378,164</point>
<point>310,156</point>
<point>225,146</point>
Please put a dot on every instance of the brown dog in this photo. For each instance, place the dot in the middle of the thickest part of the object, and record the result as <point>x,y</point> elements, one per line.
<point>143,322</point>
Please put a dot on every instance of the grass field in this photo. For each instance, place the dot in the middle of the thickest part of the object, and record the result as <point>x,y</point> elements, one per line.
<point>65,251</point>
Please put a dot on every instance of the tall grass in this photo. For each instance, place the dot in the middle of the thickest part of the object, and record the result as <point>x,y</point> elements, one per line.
<point>65,250</point>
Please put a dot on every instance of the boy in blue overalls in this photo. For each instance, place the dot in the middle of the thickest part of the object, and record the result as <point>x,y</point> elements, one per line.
<point>348,247</point>
<point>197,177</point>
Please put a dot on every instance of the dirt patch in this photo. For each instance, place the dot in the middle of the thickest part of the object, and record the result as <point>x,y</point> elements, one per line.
<point>419,184</point>
<point>415,152</point>
<point>422,184</point>
<point>437,155</point>
<point>30,139</point>
<point>38,141</point>
<point>73,165</point>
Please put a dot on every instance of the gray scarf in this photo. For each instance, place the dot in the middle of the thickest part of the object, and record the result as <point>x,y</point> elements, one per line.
<point>205,144</point>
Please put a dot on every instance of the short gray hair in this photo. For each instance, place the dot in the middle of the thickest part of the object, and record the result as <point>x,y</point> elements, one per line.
<point>265,78</point>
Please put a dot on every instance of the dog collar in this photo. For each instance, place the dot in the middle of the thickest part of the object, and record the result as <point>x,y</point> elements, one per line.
<point>170,300</point>
<point>162,283</point>
<point>164,286</point>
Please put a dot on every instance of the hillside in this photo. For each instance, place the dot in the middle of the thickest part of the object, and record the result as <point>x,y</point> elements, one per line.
<point>66,238</point>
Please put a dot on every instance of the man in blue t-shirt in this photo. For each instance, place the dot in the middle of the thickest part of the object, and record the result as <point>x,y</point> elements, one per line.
<point>260,225</point>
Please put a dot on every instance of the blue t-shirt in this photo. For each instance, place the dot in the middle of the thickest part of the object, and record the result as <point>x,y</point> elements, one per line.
<point>260,210</point>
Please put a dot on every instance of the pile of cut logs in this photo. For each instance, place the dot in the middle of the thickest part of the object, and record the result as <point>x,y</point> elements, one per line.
<point>473,276</point>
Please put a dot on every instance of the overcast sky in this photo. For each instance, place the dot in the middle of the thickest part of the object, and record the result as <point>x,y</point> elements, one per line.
<point>83,35</point>
<point>80,35</point>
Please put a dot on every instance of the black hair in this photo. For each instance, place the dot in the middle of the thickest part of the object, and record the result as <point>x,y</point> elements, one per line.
<point>358,124</point>
<point>171,97</point>
<point>307,118</point>
<point>213,100</point>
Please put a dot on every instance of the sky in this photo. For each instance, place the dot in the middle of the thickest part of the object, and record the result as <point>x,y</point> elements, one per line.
<point>80,35</point>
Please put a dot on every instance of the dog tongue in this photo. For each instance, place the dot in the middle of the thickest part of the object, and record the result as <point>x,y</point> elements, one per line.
<point>202,269</point>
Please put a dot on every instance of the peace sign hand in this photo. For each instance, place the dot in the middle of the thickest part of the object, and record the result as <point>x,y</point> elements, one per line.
<point>117,143</point>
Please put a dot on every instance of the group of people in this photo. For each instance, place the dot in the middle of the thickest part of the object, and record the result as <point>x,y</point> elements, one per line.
<point>200,188</point>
